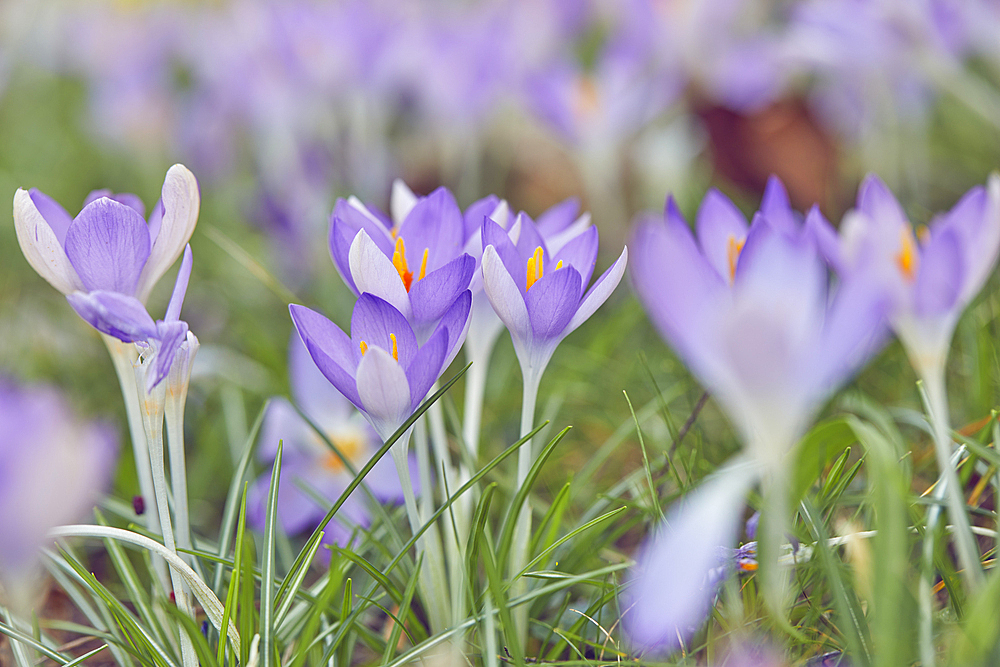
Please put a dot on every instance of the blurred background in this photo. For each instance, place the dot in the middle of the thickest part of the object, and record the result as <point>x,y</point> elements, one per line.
<point>280,107</point>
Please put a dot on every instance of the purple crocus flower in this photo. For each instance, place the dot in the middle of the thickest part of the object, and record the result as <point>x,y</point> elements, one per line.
<point>538,290</point>
<point>108,246</point>
<point>53,468</point>
<point>750,310</point>
<point>310,471</point>
<point>381,367</point>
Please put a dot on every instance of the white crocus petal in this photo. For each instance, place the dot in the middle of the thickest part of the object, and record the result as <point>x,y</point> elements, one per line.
<point>181,201</point>
<point>501,214</point>
<point>359,205</point>
<point>600,293</point>
<point>41,247</point>
<point>671,587</point>
<point>374,273</point>
<point>401,201</point>
<point>384,391</point>
<point>579,226</point>
<point>505,298</point>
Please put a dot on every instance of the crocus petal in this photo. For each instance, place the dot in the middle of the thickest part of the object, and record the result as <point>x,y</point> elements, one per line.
<point>976,219</point>
<point>494,235</point>
<point>170,335</point>
<point>126,198</point>
<point>580,253</point>
<point>180,287</point>
<point>941,275</point>
<point>432,295</point>
<point>558,217</point>
<point>456,321</point>
<point>330,349</point>
<point>311,390</point>
<point>434,223</point>
<point>877,201</point>
<point>720,225</point>
<point>825,237</point>
<point>181,201</point>
<point>401,201</point>
<point>600,292</point>
<point>670,592</point>
<point>488,207</point>
<point>426,367</point>
<point>108,244</point>
<point>556,242</point>
<point>374,320</point>
<point>384,391</point>
<point>41,247</point>
<point>552,301</point>
<point>776,209</point>
<point>504,295</point>
<point>374,273</point>
<point>529,238</point>
<point>54,214</point>
<point>123,317</point>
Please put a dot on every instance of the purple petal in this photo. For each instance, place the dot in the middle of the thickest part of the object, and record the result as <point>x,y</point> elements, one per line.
<point>558,217</point>
<point>434,223</point>
<point>108,244</point>
<point>41,247</point>
<point>504,295</point>
<point>345,223</point>
<point>456,321</point>
<point>494,235</point>
<point>283,423</point>
<point>426,367</point>
<point>180,287</point>
<point>580,253</point>
<point>875,200</point>
<point>822,233</point>
<point>374,273</point>
<point>123,317</point>
<point>776,208</point>
<point>528,239</point>
<point>720,225</point>
<point>170,336</point>
<point>976,219</point>
<point>330,348</point>
<point>384,391</point>
<point>940,276</point>
<point>310,388</point>
<point>433,295</point>
<point>54,214</point>
<point>126,198</point>
<point>552,301</point>
<point>600,292</point>
<point>670,590</point>
<point>476,213</point>
<point>372,322</point>
<point>155,222</point>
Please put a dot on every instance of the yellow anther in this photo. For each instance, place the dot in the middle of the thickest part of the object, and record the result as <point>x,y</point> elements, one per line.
<point>907,257</point>
<point>364,348</point>
<point>733,250</point>
<point>423,265</point>
<point>535,268</point>
<point>399,261</point>
<point>558,265</point>
<point>395,348</point>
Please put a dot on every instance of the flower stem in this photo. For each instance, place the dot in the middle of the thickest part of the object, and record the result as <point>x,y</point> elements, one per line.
<point>522,529</point>
<point>936,403</point>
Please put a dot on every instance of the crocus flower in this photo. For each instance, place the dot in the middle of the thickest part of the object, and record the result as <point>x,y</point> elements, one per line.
<point>538,292</point>
<point>108,246</point>
<point>310,472</point>
<point>750,310</point>
<point>381,367</point>
<point>53,468</point>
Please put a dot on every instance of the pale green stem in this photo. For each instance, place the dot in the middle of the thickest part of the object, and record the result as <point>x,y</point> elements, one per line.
<point>475,390</point>
<point>152,421</point>
<point>432,581</point>
<point>174,411</point>
<point>928,652</point>
<point>522,529</point>
<point>937,407</point>
<point>122,356</point>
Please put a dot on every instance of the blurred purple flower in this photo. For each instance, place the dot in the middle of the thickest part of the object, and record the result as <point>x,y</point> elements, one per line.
<point>750,310</point>
<point>53,469</point>
<point>311,473</point>
<point>538,291</point>
<point>381,367</point>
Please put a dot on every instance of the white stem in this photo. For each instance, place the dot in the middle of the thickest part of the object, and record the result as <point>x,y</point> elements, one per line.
<point>211,604</point>
<point>522,530</point>
<point>122,356</point>
<point>174,412</point>
<point>475,390</point>
<point>937,407</point>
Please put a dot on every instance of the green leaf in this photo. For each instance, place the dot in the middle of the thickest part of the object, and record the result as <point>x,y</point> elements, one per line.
<point>268,650</point>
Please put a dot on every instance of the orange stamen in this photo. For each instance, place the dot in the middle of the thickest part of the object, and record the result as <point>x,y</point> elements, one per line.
<point>749,566</point>
<point>349,447</point>
<point>535,268</point>
<point>733,251</point>
<point>395,349</point>
<point>364,348</point>
<point>399,261</point>
<point>907,258</point>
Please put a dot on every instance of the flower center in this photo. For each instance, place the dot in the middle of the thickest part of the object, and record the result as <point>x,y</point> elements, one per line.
<point>907,258</point>
<point>395,348</point>
<point>350,447</point>
<point>399,261</point>
<point>536,268</point>
<point>733,250</point>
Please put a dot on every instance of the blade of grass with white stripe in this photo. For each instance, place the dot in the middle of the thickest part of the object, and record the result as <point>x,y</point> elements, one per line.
<point>568,536</point>
<point>548,527</point>
<point>290,584</point>
<point>404,610</point>
<point>234,580</point>
<point>86,656</point>
<point>24,641</point>
<point>307,637</point>
<point>267,647</point>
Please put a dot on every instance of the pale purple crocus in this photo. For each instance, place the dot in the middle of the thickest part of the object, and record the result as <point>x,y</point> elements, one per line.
<point>53,469</point>
<point>108,246</point>
<point>751,312</point>
<point>312,476</point>
<point>381,367</point>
